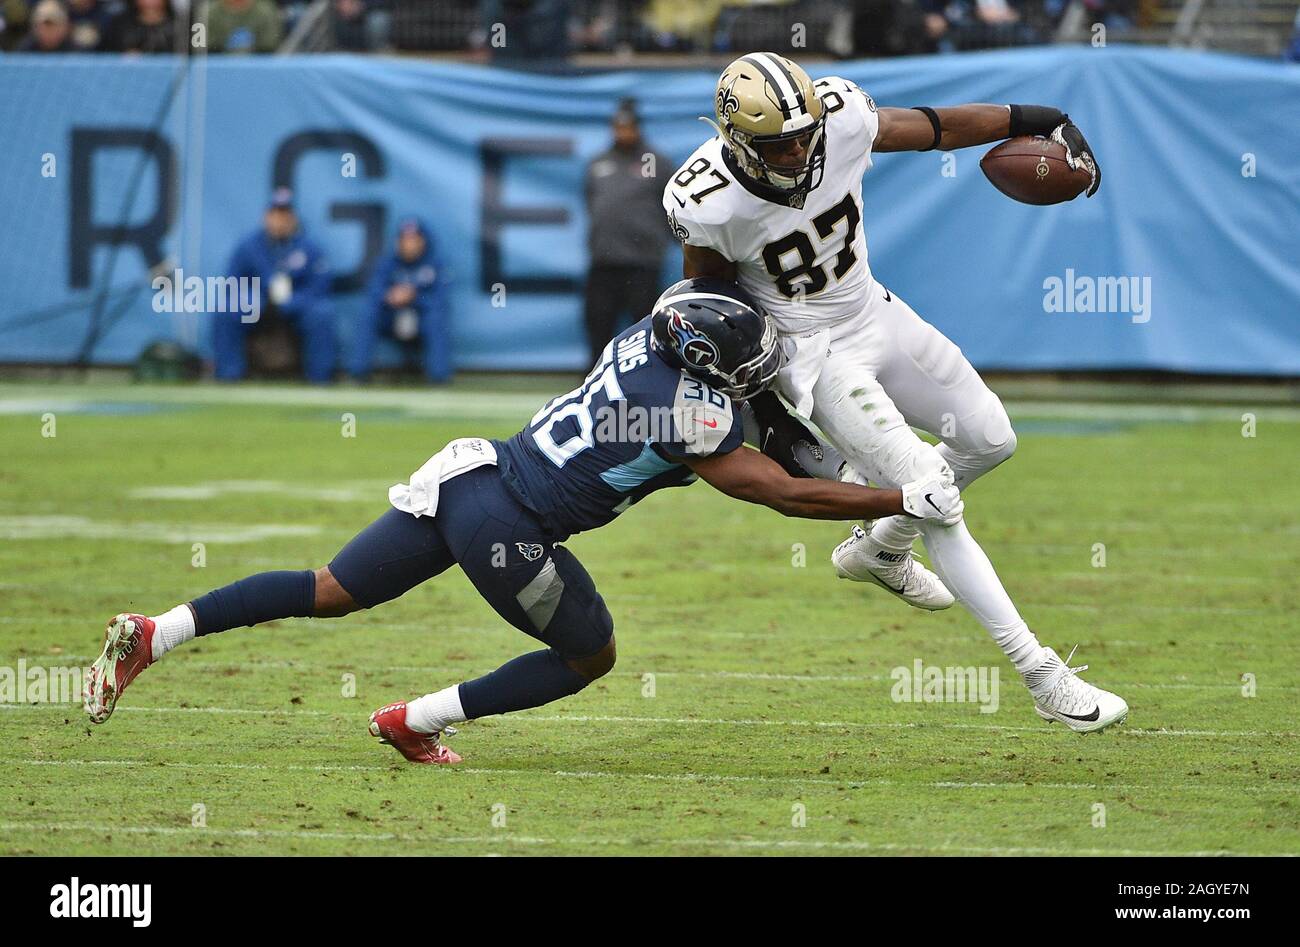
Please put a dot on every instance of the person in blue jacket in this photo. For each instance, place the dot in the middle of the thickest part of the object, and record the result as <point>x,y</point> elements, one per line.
<point>295,286</point>
<point>407,303</point>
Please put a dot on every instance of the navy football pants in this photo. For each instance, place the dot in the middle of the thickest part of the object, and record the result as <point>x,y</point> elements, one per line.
<point>539,587</point>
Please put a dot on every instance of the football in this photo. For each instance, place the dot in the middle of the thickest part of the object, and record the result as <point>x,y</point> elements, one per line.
<point>1033,170</point>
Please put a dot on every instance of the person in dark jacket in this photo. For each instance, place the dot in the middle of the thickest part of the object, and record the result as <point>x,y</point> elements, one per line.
<point>626,240</point>
<point>146,26</point>
<point>407,303</point>
<point>295,282</point>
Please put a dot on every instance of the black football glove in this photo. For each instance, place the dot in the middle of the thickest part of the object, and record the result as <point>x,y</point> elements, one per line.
<point>779,432</point>
<point>1078,153</point>
<point>1056,125</point>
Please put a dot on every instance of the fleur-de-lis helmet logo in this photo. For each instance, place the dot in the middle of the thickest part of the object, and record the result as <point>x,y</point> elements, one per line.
<point>727,101</point>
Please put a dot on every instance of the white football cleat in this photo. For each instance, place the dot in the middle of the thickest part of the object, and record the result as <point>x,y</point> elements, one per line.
<point>859,560</point>
<point>1068,698</point>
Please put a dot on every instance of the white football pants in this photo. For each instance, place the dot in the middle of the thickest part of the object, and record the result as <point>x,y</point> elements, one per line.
<point>884,372</point>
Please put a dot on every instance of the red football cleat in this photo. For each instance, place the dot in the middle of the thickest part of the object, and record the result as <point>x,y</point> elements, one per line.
<point>128,650</point>
<point>389,724</point>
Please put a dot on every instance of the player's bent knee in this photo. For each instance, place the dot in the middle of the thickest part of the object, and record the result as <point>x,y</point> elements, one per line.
<point>1008,446</point>
<point>1000,448</point>
<point>331,600</point>
<point>999,436</point>
<point>598,664</point>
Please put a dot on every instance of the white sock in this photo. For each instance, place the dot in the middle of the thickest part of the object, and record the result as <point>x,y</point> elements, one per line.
<point>174,627</point>
<point>895,533</point>
<point>432,712</point>
<point>969,575</point>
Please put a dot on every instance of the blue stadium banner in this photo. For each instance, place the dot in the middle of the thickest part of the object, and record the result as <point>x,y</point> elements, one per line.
<point>1187,260</point>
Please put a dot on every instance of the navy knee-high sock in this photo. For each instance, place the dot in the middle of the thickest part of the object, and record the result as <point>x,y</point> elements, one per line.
<point>529,680</point>
<point>258,598</point>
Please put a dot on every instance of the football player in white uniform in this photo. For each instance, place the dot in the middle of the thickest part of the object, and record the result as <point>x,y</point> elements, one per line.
<point>774,202</point>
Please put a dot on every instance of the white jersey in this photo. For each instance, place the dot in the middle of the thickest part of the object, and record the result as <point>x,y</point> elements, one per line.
<point>807,265</point>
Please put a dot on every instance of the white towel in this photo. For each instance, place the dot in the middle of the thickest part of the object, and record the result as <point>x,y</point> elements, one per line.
<point>804,356</point>
<point>420,496</point>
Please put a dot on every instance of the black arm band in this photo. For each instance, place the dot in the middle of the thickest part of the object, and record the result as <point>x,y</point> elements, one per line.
<point>933,116</point>
<point>1035,120</point>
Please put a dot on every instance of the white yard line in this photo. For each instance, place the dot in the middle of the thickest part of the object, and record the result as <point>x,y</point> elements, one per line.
<point>37,398</point>
<point>688,777</point>
<point>688,721</point>
<point>82,527</point>
<point>470,672</point>
<point>580,841</point>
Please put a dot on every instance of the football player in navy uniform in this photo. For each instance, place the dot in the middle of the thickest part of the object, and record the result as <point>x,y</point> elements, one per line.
<point>658,410</point>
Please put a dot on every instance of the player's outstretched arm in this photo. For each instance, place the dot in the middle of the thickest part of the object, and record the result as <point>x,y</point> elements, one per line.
<point>959,127</point>
<point>923,129</point>
<point>748,475</point>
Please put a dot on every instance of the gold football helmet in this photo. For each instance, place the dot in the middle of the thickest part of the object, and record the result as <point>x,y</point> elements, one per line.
<point>763,98</point>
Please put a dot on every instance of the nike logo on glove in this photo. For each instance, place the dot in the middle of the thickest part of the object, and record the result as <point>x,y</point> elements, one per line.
<point>931,502</point>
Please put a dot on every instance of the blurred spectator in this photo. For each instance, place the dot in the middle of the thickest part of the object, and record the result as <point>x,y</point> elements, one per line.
<point>1292,51</point>
<point>51,31</point>
<point>294,293</point>
<point>895,27</point>
<point>361,25</point>
<point>681,24</point>
<point>408,304</point>
<point>147,26</point>
<point>954,25</point>
<point>524,32</point>
<point>243,26</point>
<point>626,237</point>
<point>89,19</point>
<point>1118,15</point>
<point>13,22</point>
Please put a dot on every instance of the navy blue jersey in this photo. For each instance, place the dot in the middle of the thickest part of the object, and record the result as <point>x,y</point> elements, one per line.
<point>588,455</point>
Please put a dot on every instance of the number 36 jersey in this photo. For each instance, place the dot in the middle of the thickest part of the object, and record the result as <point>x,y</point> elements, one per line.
<point>588,455</point>
<point>808,264</point>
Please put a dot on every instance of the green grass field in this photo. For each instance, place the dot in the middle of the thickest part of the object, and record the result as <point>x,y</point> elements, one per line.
<point>768,725</point>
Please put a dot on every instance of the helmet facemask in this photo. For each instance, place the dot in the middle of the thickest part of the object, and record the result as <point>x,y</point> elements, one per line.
<point>748,154</point>
<point>714,331</point>
<point>759,373</point>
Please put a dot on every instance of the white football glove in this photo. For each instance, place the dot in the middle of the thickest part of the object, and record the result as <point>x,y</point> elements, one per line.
<point>935,498</point>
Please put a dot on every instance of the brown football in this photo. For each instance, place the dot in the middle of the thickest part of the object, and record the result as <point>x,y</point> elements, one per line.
<point>1033,170</point>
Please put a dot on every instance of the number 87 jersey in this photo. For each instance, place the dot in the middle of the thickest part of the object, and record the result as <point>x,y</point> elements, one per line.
<point>806,264</point>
